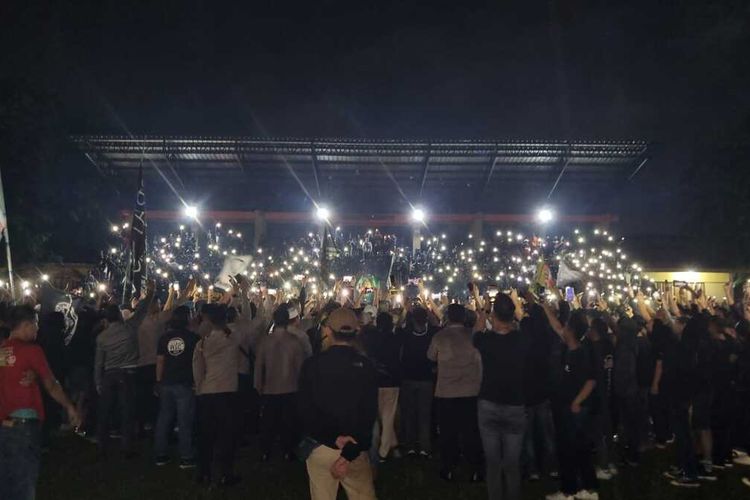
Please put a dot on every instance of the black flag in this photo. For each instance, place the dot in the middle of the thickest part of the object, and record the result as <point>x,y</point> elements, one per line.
<point>53,300</point>
<point>138,238</point>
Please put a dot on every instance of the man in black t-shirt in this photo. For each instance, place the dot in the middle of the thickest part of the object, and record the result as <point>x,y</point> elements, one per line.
<point>679,375</point>
<point>574,405</point>
<point>703,393</point>
<point>539,453</point>
<point>599,343</point>
<point>174,376</point>
<point>645,369</point>
<point>501,408</point>
<point>625,378</point>
<point>741,433</point>
<point>663,347</point>
<point>79,360</point>
<point>724,371</point>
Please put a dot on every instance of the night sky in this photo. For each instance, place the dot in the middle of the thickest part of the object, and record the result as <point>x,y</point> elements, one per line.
<point>674,73</point>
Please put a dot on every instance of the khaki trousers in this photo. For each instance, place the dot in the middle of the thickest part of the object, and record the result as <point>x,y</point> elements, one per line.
<point>323,486</point>
<point>387,404</point>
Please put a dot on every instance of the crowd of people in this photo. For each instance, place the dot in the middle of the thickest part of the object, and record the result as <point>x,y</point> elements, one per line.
<point>517,385</point>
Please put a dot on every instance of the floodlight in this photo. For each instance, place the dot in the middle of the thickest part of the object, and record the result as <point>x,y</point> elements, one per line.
<point>191,211</point>
<point>323,213</point>
<point>418,215</point>
<point>545,215</point>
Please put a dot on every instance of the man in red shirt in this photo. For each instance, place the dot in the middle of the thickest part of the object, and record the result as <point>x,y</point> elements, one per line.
<point>23,368</point>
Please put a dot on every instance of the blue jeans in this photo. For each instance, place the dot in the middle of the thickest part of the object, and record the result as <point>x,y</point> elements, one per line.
<point>539,439</point>
<point>502,428</point>
<point>20,450</point>
<point>176,400</point>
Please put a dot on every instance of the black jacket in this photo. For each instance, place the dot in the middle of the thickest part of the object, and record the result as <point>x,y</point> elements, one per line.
<point>384,350</point>
<point>338,396</point>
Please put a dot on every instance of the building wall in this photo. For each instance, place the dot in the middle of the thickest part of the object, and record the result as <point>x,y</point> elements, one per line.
<point>712,280</point>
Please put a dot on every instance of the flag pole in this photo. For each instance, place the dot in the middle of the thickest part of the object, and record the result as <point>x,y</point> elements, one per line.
<point>126,284</point>
<point>5,236</point>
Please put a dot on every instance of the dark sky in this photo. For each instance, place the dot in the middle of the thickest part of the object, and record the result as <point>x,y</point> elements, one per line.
<point>606,69</point>
<point>674,73</point>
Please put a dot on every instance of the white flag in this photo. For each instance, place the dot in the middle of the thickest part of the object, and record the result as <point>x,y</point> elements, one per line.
<point>233,265</point>
<point>567,275</point>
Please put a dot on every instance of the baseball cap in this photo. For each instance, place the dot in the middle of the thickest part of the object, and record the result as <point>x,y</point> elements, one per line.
<point>293,312</point>
<point>343,320</point>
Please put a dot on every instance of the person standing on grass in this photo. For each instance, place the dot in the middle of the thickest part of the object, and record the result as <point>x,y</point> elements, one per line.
<point>417,385</point>
<point>539,453</point>
<point>215,362</point>
<point>23,367</point>
<point>501,407</point>
<point>115,371</point>
<point>338,405</point>
<point>625,378</point>
<point>459,374</point>
<point>383,348</point>
<point>277,367</point>
<point>149,333</point>
<point>681,364</point>
<point>574,407</point>
<point>723,407</point>
<point>174,379</point>
<point>599,342</point>
<point>700,416</point>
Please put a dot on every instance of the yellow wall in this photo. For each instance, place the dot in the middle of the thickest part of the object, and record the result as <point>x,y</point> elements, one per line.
<point>714,281</point>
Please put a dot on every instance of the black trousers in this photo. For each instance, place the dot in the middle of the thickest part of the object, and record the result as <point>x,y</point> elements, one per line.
<point>278,418</point>
<point>575,449</point>
<point>628,408</point>
<point>147,404</point>
<point>659,407</point>
<point>741,424</point>
<point>723,409</point>
<point>679,417</point>
<point>459,431</point>
<point>118,389</point>
<point>249,406</point>
<point>217,426</point>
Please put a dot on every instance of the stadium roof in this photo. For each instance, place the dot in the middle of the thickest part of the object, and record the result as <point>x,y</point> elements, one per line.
<point>324,167</point>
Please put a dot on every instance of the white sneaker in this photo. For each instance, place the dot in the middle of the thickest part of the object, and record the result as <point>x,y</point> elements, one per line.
<point>742,460</point>
<point>603,475</point>
<point>746,481</point>
<point>587,495</point>
<point>560,496</point>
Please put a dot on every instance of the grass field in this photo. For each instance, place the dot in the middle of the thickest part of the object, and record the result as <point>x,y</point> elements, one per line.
<point>70,471</point>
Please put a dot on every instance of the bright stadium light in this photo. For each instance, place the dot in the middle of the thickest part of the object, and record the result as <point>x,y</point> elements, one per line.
<point>545,215</point>
<point>418,215</point>
<point>191,211</point>
<point>323,213</point>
